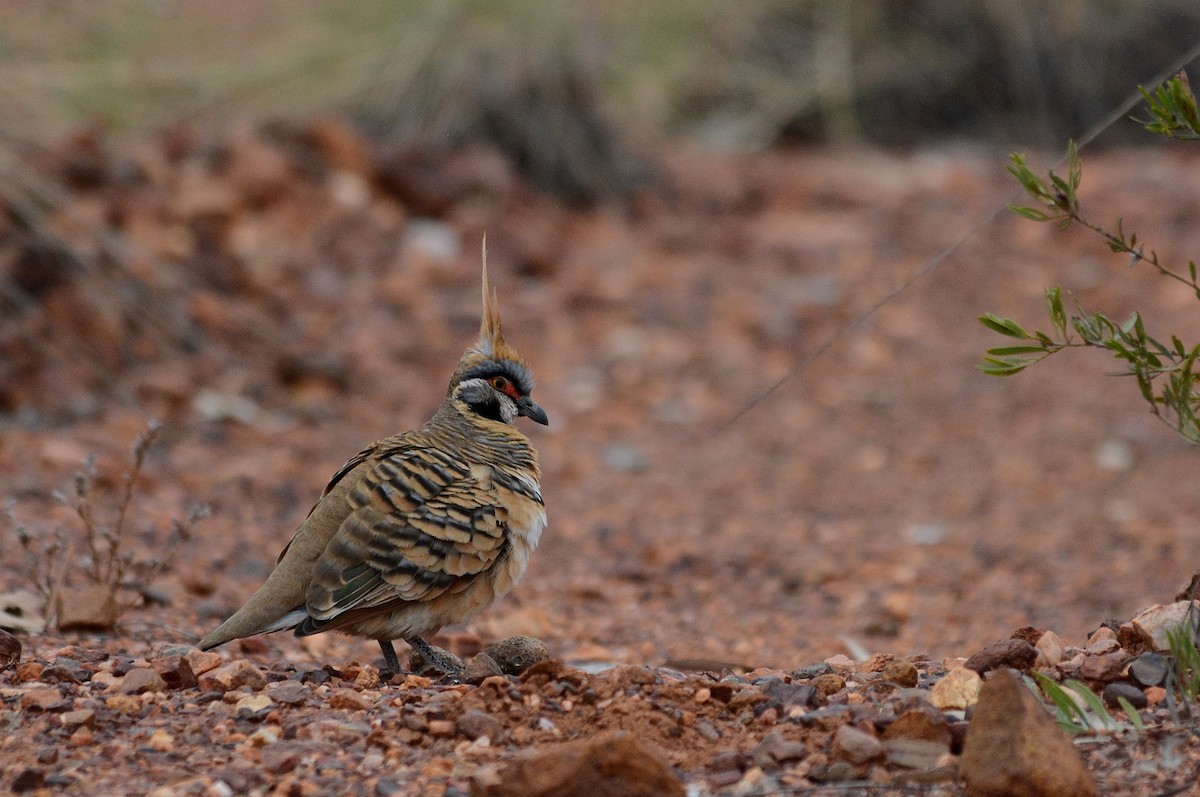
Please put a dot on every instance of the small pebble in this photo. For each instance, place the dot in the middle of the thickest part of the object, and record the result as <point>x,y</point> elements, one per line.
<point>901,672</point>
<point>480,667</point>
<point>142,679</point>
<point>855,746</point>
<point>1120,689</point>
<point>254,707</point>
<point>811,671</point>
<point>958,689</point>
<point>517,654</point>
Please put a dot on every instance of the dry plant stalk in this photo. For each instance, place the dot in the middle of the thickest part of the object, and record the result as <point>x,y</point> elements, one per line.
<point>53,560</point>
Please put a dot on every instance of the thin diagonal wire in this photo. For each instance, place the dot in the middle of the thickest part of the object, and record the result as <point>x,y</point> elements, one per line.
<point>935,261</point>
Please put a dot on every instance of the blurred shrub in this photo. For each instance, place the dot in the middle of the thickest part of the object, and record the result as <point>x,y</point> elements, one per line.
<point>902,71</point>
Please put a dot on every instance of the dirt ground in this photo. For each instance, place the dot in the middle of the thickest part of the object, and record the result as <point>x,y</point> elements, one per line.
<point>279,299</point>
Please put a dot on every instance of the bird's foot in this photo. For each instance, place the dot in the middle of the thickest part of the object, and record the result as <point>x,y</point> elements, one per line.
<point>434,662</point>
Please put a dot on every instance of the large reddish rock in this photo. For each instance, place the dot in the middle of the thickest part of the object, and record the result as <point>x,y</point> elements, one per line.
<point>613,764</point>
<point>88,608</point>
<point>239,672</point>
<point>1014,748</point>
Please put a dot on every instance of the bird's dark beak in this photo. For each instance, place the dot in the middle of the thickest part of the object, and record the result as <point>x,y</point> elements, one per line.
<point>533,412</point>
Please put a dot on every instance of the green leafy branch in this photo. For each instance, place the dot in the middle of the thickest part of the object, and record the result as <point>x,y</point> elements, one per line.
<point>1165,372</point>
<point>1172,109</point>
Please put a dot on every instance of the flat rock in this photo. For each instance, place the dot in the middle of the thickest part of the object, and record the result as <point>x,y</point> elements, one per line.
<point>1014,747</point>
<point>88,608</point>
<point>201,661</point>
<point>254,707</point>
<point>785,694</point>
<point>1103,668</point>
<point>915,753</point>
<point>232,675</point>
<point>1151,625</point>
<point>1149,669</point>
<point>142,679</point>
<point>43,699</point>
<point>480,667</point>
<point>1015,653</point>
<point>774,751</point>
<point>611,764</point>
<point>901,672</point>
<point>920,724</point>
<point>855,746</point>
<point>474,724</point>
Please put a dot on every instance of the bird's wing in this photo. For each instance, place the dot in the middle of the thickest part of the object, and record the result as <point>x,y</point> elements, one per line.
<point>421,523</point>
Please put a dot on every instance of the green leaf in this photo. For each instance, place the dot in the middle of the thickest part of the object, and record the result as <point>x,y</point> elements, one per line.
<point>1005,351</point>
<point>1134,716</point>
<point>1005,326</point>
<point>1068,709</point>
<point>1054,306</point>
<point>1093,702</point>
<point>993,367</point>
<point>1033,214</point>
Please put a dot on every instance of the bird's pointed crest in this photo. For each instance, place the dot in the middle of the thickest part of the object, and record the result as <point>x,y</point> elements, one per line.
<point>491,345</point>
<point>491,340</point>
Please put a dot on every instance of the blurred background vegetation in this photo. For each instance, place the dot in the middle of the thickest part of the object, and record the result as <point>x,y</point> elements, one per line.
<point>564,86</point>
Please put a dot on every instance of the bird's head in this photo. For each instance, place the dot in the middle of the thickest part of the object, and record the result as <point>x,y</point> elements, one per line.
<point>491,378</point>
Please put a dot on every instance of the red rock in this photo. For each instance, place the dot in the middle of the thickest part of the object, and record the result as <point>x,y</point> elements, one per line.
<point>1103,668</point>
<point>479,668</point>
<point>349,699</point>
<point>855,746</point>
<point>84,717</point>
<point>474,723</point>
<point>281,757</point>
<point>201,661</point>
<point>921,724</point>
<point>1015,653</point>
<point>828,684</point>
<point>175,672</point>
<point>89,608</point>
<point>611,764</point>
<point>441,728</point>
<point>1014,747</point>
<point>901,672</point>
<point>42,699</point>
<point>142,679</point>
<point>231,676</point>
<point>1050,649</point>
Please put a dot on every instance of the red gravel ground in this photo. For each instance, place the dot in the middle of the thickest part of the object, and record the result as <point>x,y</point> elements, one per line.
<point>277,302</point>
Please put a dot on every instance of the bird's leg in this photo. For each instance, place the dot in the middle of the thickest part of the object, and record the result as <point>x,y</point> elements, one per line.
<point>390,659</point>
<point>447,664</point>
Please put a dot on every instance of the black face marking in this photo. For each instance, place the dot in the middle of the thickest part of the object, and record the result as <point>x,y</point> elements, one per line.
<point>488,409</point>
<point>482,400</point>
<point>516,373</point>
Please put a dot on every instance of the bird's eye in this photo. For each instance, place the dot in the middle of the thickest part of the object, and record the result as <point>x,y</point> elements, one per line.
<point>499,382</point>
